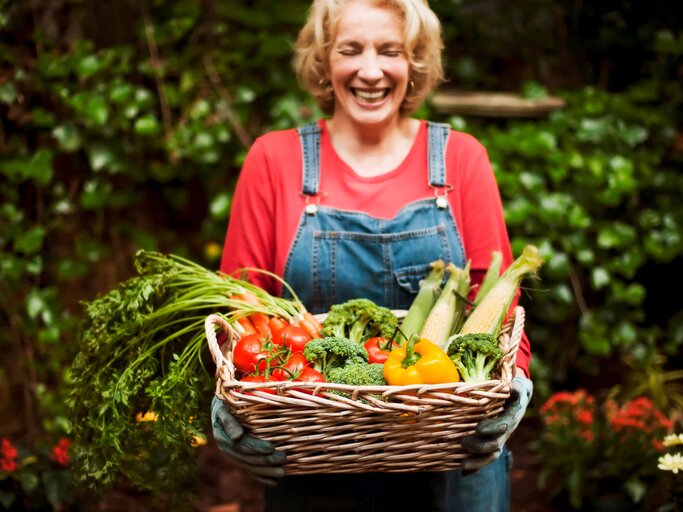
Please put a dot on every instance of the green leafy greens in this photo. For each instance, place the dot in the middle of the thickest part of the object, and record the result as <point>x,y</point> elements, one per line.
<point>141,348</point>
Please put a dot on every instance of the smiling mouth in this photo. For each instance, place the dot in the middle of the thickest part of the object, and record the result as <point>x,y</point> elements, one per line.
<point>373,96</point>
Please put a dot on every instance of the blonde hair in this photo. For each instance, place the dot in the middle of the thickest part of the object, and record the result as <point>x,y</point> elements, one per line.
<point>421,35</point>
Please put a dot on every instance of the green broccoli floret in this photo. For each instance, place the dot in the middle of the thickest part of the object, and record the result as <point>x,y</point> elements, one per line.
<point>475,355</point>
<point>359,320</point>
<point>332,352</point>
<point>359,374</point>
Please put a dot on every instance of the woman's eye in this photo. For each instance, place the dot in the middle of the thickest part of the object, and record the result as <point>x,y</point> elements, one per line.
<point>392,53</point>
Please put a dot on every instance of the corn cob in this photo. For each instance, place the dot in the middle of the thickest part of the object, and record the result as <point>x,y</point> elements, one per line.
<point>423,302</point>
<point>439,323</point>
<point>461,302</point>
<point>489,315</point>
<point>492,275</point>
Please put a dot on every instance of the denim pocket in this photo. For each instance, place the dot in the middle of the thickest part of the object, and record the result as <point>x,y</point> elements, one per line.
<point>408,278</point>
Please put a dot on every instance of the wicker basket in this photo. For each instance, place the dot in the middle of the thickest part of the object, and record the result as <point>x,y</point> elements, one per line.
<point>368,428</point>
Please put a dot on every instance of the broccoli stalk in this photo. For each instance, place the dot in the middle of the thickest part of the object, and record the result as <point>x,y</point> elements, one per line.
<point>333,352</point>
<point>359,374</point>
<point>359,320</point>
<point>475,356</point>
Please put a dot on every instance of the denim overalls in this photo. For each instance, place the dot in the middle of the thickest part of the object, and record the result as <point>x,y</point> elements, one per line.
<point>339,255</point>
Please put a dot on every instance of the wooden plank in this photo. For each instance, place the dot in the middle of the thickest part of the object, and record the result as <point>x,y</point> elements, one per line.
<point>493,104</point>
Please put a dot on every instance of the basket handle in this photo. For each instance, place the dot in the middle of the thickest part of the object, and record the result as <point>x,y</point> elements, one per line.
<point>218,358</point>
<point>511,342</point>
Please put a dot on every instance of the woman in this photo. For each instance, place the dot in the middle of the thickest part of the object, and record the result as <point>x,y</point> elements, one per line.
<point>358,205</point>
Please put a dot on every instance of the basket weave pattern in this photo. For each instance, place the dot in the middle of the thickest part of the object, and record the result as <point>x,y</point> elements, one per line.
<point>337,428</point>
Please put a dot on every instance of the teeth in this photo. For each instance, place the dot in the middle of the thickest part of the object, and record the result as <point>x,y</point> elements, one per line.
<point>369,95</point>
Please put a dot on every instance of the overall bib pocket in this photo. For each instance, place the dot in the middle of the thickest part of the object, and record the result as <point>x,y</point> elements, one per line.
<point>385,268</point>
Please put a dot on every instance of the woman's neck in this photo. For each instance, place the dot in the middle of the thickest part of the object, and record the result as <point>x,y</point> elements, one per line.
<point>372,150</point>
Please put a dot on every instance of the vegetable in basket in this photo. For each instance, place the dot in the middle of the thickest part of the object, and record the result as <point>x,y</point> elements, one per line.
<point>422,304</point>
<point>419,362</point>
<point>332,352</point>
<point>358,374</point>
<point>253,353</point>
<point>488,316</point>
<point>290,368</point>
<point>448,312</point>
<point>475,356</point>
<point>378,349</point>
<point>359,320</point>
<point>293,337</point>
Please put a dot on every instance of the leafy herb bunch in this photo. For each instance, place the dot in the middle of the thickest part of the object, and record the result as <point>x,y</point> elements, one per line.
<point>140,350</point>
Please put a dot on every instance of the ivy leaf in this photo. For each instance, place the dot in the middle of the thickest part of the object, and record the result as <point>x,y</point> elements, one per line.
<point>616,236</point>
<point>31,241</point>
<point>120,92</point>
<point>88,66</point>
<point>68,137</point>
<point>147,125</point>
<point>220,206</point>
<point>35,304</point>
<point>96,109</point>
<point>100,156</point>
<point>599,278</point>
<point>8,93</point>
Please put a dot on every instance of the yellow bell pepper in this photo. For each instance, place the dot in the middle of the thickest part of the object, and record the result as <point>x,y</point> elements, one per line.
<point>419,362</point>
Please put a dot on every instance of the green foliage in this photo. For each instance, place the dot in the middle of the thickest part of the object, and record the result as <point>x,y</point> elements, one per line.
<point>596,187</point>
<point>127,137</point>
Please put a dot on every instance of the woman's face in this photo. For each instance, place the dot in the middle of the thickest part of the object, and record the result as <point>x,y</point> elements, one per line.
<point>368,67</point>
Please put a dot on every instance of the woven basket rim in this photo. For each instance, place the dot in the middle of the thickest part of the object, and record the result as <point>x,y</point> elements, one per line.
<point>508,341</point>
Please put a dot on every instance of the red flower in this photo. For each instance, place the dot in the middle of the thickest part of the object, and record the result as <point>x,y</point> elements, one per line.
<point>7,464</point>
<point>587,435</point>
<point>7,450</point>
<point>60,452</point>
<point>8,456</point>
<point>585,417</point>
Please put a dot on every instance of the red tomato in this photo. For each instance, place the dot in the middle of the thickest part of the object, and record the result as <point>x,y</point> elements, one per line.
<point>249,354</point>
<point>378,349</point>
<point>292,367</point>
<point>276,323</point>
<point>293,337</point>
<point>309,375</point>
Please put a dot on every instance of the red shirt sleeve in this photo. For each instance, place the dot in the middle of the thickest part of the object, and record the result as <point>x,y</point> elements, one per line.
<point>250,240</point>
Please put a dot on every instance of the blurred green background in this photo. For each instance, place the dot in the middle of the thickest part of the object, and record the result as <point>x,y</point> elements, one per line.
<point>123,124</point>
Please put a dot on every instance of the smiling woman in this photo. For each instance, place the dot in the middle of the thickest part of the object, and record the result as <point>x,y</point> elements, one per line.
<point>419,42</point>
<point>358,205</point>
<point>368,68</point>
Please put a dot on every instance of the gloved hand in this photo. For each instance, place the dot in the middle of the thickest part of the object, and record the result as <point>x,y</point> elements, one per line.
<point>255,455</point>
<point>491,434</point>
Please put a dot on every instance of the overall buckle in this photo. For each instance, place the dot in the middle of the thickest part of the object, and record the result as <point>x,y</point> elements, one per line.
<point>442,200</point>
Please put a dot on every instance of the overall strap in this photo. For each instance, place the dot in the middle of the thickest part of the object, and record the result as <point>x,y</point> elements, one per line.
<point>310,158</point>
<point>437,136</point>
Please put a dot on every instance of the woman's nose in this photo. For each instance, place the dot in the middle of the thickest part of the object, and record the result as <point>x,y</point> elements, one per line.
<point>370,69</point>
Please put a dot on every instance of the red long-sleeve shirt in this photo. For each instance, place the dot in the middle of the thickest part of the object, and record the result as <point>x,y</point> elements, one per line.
<point>268,203</point>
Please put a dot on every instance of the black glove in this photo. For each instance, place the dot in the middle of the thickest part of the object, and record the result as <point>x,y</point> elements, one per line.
<point>491,434</point>
<point>255,455</point>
